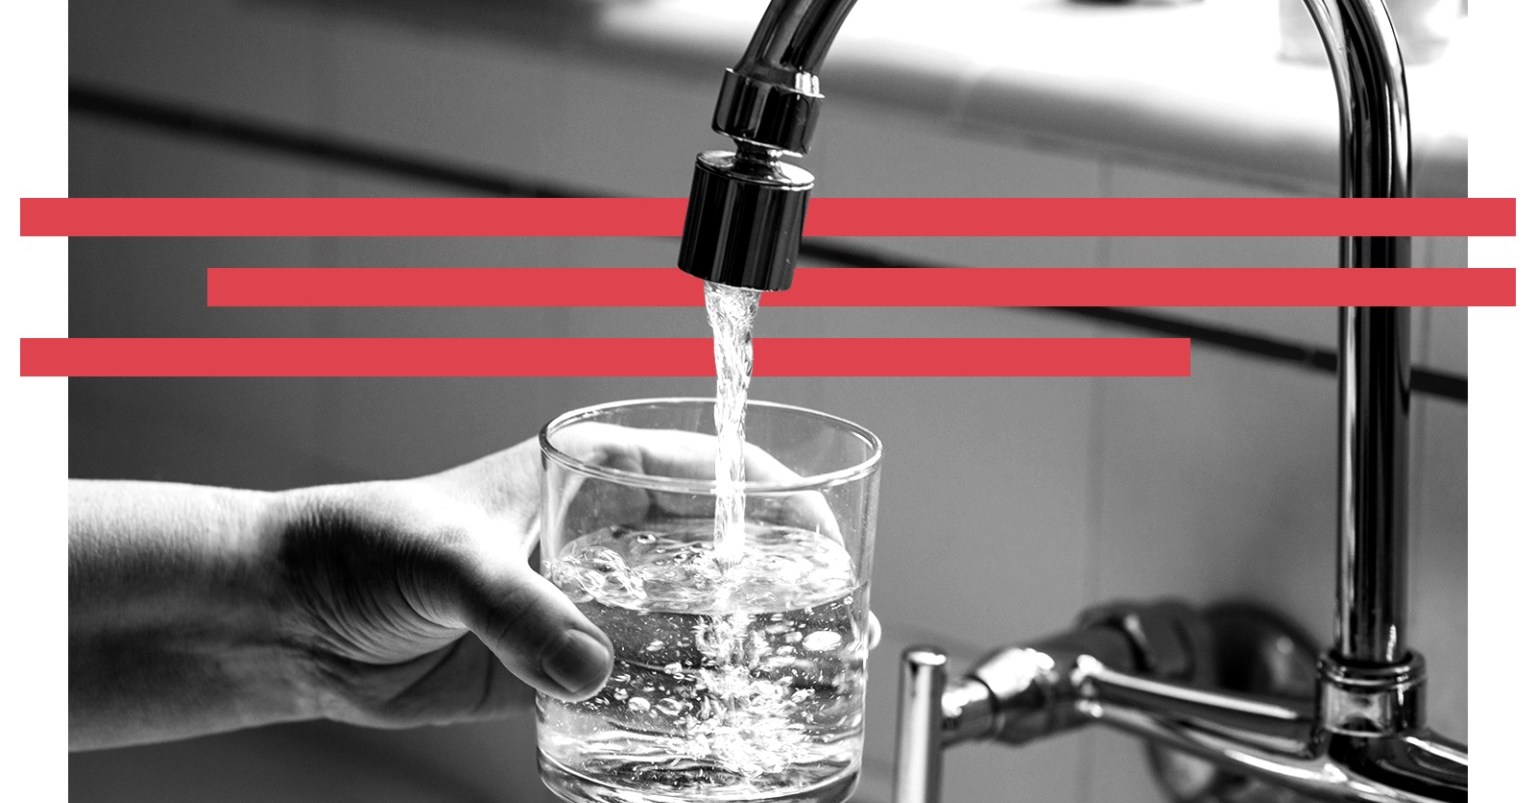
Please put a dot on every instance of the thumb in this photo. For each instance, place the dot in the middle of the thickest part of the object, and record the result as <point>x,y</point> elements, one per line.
<point>535,630</point>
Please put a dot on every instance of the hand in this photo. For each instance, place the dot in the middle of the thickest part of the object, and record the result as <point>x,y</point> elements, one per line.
<point>390,576</point>
<point>195,610</point>
<point>387,578</point>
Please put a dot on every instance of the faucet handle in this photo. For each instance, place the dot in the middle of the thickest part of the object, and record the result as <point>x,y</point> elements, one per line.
<point>919,717</point>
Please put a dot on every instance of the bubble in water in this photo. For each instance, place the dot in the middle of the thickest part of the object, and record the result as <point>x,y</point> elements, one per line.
<point>602,572</point>
<point>823,640</point>
<point>728,682</point>
<point>782,660</point>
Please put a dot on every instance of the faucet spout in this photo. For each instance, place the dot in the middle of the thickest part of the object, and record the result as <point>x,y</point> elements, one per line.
<point>792,40</point>
<point>746,210</point>
<point>1420,765</point>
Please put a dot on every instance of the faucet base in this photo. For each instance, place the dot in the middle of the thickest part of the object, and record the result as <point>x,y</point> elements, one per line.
<point>1253,651</point>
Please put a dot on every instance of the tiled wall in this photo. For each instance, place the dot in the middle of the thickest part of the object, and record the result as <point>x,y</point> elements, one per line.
<point>1008,505</point>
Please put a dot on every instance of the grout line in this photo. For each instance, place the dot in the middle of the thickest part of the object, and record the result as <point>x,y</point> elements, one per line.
<point>1418,451</point>
<point>1094,546</point>
<point>248,132</point>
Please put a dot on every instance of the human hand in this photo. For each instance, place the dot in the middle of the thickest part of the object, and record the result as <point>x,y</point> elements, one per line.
<point>415,599</point>
<point>195,610</point>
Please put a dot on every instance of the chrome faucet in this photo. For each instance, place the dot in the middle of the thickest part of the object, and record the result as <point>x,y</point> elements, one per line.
<point>1361,735</point>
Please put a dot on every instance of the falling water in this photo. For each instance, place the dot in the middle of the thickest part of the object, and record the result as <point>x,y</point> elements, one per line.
<point>731,311</point>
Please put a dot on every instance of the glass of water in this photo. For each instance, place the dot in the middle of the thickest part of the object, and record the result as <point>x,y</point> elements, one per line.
<point>739,655</point>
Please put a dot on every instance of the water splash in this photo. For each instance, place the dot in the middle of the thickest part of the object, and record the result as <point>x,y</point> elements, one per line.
<point>728,685</point>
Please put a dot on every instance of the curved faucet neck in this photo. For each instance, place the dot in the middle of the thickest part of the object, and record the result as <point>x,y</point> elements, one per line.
<point>792,41</point>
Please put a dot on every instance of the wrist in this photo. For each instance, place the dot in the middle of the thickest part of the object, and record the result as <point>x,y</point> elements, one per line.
<point>178,614</point>
<point>254,643</point>
<point>293,633</point>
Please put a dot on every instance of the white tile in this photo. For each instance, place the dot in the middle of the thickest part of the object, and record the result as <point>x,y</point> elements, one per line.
<point>560,252</point>
<point>241,433</point>
<point>1312,326</point>
<point>1437,590</point>
<point>875,153</point>
<point>1117,769</point>
<point>229,431</point>
<point>403,427</point>
<point>988,773</point>
<point>157,288</point>
<point>983,497</point>
<point>628,131</point>
<point>445,94</point>
<point>1221,486</point>
<point>122,159</point>
<point>255,59</point>
<point>1447,346</point>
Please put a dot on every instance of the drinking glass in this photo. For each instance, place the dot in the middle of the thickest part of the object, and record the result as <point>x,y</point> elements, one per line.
<point>738,664</point>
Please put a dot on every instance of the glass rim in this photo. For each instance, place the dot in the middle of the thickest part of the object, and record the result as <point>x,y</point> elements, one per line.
<point>828,479</point>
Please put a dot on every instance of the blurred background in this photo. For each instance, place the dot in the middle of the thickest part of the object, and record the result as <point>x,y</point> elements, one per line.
<point>1009,505</point>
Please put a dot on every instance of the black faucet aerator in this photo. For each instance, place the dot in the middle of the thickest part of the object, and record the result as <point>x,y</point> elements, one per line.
<point>745,213</point>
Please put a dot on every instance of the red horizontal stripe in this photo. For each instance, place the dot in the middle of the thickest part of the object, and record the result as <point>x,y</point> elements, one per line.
<point>867,287</point>
<point>655,357</point>
<point>1159,217</point>
<point>663,217</point>
<point>351,217</point>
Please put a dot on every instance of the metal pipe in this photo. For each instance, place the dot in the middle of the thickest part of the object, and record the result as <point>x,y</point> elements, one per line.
<point>792,39</point>
<point>924,674</point>
<point>1375,162</point>
<point>1346,775</point>
<point>1277,725</point>
<point>1115,669</point>
<point>1420,765</point>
